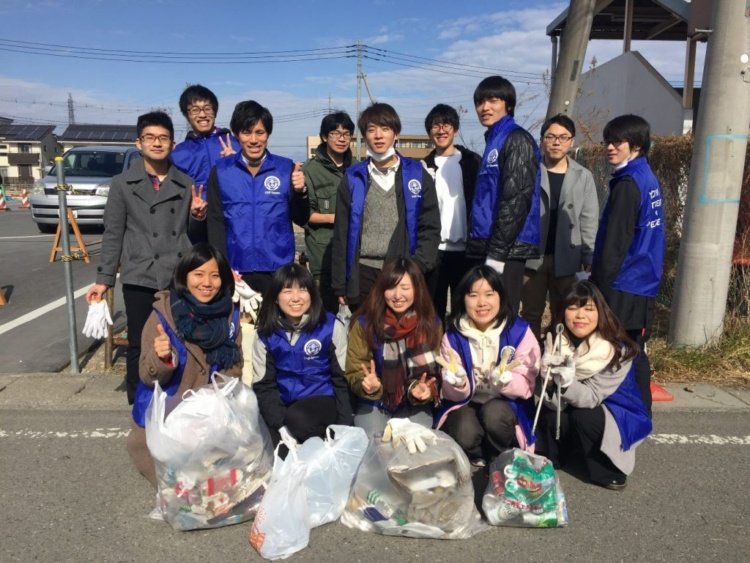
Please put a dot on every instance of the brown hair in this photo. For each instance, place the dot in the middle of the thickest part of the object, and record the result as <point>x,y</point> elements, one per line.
<point>373,308</point>
<point>380,114</point>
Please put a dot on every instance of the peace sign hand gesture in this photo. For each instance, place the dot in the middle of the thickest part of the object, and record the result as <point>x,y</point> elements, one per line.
<point>226,146</point>
<point>371,382</point>
<point>423,390</point>
<point>198,205</point>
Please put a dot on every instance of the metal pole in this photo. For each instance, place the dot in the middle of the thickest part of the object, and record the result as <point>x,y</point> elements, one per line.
<point>359,96</point>
<point>575,38</point>
<point>713,196</point>
<point>67,261</point>
<point>628,31</point>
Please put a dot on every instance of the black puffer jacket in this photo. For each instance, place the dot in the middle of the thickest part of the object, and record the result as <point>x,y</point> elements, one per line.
<point>519,166</point>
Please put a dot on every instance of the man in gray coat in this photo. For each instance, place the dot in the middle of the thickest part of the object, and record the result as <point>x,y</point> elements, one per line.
<point>569,220</point>
<point>151,210</point>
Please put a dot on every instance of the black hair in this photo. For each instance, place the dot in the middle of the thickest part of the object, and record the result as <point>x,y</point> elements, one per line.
<point>631,128</point>
<point>563,121</point>
<point>494,280</point>
<point>270,317</point>
<point>246,114</point>
<point>331,122</point>
<point>496,87</point>
<point>195,93</point>
<point>158,118</point>
<point>441,113</point>
<point>195,258</point>
<point>380,114</point>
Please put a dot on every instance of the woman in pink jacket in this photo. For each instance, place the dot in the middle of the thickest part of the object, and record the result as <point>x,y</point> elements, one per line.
<point>490,362</point>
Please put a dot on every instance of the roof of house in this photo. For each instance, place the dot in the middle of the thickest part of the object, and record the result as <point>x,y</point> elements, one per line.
<point>663,20</point>
<point>25,132</point>
<point>99,132</point>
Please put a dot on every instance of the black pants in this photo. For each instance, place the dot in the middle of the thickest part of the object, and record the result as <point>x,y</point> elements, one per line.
<point>307,418</point>
<point>483,431</point>
<point>451,267</point>
<point>581,432</point>
<point>139,303</point>
<point>367,277</point>
<point>258,281</point>
<point>642,368</point>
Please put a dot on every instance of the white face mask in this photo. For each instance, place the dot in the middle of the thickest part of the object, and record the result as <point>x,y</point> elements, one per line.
<point>380,157</point>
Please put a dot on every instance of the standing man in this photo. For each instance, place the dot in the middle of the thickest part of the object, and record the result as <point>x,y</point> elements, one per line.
<point>253,198</point>
<point>386,208</point>
<point>504,218</point>
<point>323,174</point>
<point>151,209</point>
<point>629,250</point>
<point>569,219</point>
<point>454,169</point>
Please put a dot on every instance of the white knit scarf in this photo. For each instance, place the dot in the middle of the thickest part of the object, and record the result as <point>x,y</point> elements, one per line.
<point>591,357</point>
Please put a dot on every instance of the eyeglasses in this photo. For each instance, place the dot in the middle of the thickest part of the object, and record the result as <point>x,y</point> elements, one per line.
<point>197,110</point>
<point>441,127</point>
<point>615,144</point>
<point>151,139</point>
<point>340,134</point>
<point>550,138</point>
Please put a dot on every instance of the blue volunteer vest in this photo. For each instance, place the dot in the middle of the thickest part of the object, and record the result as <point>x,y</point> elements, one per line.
<point>511,336</point>
<point>197,154</point>
<point>144,393</point>
<point>488,192</point>
<point>358,180</point>
<point>629,412</point>
<point>257,213</point>
<point>641,270</point>
<point>303,370</point>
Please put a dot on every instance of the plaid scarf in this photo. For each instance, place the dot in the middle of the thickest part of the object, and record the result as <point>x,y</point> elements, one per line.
<point>405,358</point>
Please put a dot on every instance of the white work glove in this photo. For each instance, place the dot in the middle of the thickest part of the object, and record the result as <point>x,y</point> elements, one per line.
<point>582,275</point>
<point>344,314</point>
<point>248,298</point>
<point>499,265</point>
<point>97,320</point>
<point>413,435</point>
<point>452,373</point>
<point>503,373</point>
<point>564,375</point>
<point>550,359</point>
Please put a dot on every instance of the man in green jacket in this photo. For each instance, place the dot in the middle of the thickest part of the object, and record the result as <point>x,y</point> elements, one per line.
<point>323,173</point>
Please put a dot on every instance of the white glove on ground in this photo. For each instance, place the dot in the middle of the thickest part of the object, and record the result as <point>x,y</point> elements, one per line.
<point>97,320</point>
<point>413,435</point>
<point>499,265</point>
<point>248,298</point>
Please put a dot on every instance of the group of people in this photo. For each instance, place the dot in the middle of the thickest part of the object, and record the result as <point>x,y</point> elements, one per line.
<point>391,238</point>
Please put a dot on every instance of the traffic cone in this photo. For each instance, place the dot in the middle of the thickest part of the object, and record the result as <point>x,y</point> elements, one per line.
<point>25,203</point>
<point>659,393</point>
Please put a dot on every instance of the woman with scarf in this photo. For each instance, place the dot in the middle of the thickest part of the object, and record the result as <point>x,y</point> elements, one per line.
<point>490,362</point>
<point>391,359</point>
<point>604,416</point>
<point>192,332</point>
<point>298,358</point>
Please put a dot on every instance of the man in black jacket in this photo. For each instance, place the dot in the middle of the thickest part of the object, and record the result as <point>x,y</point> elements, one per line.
<point>454,169</point>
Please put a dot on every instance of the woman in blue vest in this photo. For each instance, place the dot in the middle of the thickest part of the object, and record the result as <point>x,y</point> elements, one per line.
<point>490,362</point>
<point>391,361</point>
<point>604,417</point>
<point>192,332</point>
<point>298,358</point>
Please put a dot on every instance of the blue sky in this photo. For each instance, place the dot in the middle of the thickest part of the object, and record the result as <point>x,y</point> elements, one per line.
<point>478,37</point>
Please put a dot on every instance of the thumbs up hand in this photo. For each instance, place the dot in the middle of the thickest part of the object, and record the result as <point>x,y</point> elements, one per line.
<point>298,178</point>
<point>371,382</point>
<point>162,347</point>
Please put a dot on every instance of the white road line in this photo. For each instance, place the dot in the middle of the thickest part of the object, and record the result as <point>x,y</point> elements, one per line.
<point>40,311</point>
<point>706,439</point>
<point>18,237</point>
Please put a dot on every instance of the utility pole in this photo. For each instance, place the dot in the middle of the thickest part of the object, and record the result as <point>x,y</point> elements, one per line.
<point>71,110</point>
<point>567,71</point>
<point>715,183</point>
<point>360,75</point>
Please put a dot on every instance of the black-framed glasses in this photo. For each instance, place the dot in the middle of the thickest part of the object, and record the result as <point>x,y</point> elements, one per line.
<point>441,127</point>
<point>197,110</point>
<point>150,139</point>
<point>550,138</point>
<point>615,144</point>
<point>340,134</point>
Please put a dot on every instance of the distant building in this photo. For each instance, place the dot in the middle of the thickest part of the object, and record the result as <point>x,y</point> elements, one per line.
<point>413,146</point>
<point>89,134</point>
<point>26,152</point>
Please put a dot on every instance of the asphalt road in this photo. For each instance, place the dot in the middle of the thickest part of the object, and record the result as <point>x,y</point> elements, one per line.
<point>68,493</point>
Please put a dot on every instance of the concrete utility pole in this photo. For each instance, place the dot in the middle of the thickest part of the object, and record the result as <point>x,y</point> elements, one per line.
<point>567,72</point>
<point>71,110</point>
<point>710,221</point>
<point>360,74</point>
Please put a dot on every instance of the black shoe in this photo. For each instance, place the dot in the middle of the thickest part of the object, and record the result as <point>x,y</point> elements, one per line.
<point>617,484</point>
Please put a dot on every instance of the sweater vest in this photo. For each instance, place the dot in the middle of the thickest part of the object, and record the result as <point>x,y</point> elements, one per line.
<point>511,336</point>
<point>257,215</point>
<point>303,369</point>
<point>144,393</point>
<point>629,412</point>
<point>357,177</point>
<point>641,270</point>
<point>488,193</point>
